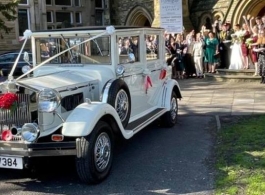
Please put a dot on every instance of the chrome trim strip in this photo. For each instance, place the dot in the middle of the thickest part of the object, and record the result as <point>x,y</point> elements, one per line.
<point>38,149</point>
<point>78,148</point>
<point>40,153</point>
<point>105,91</point>
<point>148,121</point>
<point>164,96</point>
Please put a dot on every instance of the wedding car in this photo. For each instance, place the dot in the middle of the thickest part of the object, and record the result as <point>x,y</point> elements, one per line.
<point>85,87</point>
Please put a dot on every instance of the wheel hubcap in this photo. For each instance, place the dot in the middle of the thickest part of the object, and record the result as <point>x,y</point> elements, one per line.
<point>122,104</point>
<point>174,108</point>
<point>102,151</point>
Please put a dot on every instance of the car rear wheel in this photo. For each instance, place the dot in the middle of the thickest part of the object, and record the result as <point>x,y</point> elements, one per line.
<point>96,153</point>
<point>170,117</point>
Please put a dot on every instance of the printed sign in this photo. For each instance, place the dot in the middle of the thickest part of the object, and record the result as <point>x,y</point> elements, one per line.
<point>171,17</point>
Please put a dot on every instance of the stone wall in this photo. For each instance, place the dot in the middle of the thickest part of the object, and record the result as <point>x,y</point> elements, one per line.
<point>202,9</point>
<point>121,9</point>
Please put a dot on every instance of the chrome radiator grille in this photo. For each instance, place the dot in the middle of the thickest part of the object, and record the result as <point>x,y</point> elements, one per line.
<point>19,117</point>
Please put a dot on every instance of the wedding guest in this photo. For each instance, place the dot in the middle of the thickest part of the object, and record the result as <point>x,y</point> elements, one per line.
<point>119,45</point>
<point>125,49</point>
<point>188,58</point>
<point>45,52</point>
<point>211,50</point>
<point>135,47</point>
<point>172,48</point>
<point>151,44</point>
<point>198,54</point>
<point>224,46</point>
<point>167,39</point>
<point>253,39</point>
<point>172,45</point>
<point>217,26</point>
<point>259,23</point>
<point>179,52</point>
<point>204,33</point>
<point>261,54</point>
<point>263,20</point>
<point>245,34</point>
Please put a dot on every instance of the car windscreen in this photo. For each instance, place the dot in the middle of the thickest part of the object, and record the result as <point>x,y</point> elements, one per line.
<point>96,51</point>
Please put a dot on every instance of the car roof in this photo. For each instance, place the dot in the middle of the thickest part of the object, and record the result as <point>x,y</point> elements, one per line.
<point>98,28</point>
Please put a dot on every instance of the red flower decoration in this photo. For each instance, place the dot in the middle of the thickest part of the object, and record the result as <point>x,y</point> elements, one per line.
<point>8,101</point>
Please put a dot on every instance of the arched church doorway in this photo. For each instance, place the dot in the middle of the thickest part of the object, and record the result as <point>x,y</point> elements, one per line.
<point>244,8</point>
<point>262,12</point>
<point>139,16</point>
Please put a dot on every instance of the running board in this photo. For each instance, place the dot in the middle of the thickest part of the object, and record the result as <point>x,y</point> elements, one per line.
<point>142,122</point>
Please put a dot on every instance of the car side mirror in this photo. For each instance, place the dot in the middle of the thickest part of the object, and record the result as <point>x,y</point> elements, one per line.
<point>26,57</point>
<point>131,57</point>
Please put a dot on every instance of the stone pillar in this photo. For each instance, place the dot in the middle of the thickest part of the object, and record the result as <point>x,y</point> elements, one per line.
<point>185,10</point>
<point>43,15</point>
<point>36,15</point>
<point>186,16</point>
<point>156,22</point>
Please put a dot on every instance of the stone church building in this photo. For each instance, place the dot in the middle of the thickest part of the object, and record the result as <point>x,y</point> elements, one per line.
<point>54,14</point>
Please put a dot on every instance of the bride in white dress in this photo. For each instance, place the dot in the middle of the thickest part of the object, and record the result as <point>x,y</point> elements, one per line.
<point>236,61</point>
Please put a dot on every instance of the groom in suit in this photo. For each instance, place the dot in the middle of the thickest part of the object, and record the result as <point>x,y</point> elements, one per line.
<point>224,46</point>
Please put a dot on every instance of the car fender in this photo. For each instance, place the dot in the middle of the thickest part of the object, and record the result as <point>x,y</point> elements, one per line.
<point>84,117</point>
<point>170,85</point>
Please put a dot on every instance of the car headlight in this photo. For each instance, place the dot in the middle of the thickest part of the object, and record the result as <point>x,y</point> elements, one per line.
<point>30,132</point>
<point>48,100</point>
<point>26,69</point>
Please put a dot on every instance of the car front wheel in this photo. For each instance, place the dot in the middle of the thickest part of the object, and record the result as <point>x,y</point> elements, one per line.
<point>94,162</point>
<point>119,98</point>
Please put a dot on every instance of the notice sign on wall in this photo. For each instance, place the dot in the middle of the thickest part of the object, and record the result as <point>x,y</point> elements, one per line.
<point>171,15</point>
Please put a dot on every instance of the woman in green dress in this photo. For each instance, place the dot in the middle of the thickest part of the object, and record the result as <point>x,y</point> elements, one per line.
<point>211,51</point>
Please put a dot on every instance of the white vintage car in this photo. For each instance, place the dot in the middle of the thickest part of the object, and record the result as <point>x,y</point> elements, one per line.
<point>85,87</point>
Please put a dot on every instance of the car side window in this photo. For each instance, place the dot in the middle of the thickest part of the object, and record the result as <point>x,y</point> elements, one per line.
<point>8,58</point>
<point>151,42</point>
<point>2,58</point>
<point>127,45</point>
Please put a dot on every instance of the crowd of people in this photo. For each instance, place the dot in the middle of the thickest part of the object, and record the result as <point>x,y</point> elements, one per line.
<point>224,46</point>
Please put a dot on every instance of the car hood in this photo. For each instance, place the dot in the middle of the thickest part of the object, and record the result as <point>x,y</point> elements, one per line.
<point>60,81</point>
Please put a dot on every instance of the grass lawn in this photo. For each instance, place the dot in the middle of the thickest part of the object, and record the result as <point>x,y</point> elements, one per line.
<point>240,157</point>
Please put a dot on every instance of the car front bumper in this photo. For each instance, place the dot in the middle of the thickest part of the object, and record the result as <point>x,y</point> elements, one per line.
<point>39,149</point>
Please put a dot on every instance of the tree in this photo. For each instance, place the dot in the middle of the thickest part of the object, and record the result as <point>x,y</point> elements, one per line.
<point>8,11</point>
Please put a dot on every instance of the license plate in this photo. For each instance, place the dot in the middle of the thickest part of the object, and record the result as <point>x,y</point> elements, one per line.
<point>11,162</point>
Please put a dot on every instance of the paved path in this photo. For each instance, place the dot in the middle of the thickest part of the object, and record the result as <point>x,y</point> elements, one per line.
<point>205,97</point>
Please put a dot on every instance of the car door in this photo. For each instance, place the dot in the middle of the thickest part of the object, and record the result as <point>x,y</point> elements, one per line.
<point>154,66</point>
<point>134,71</point>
